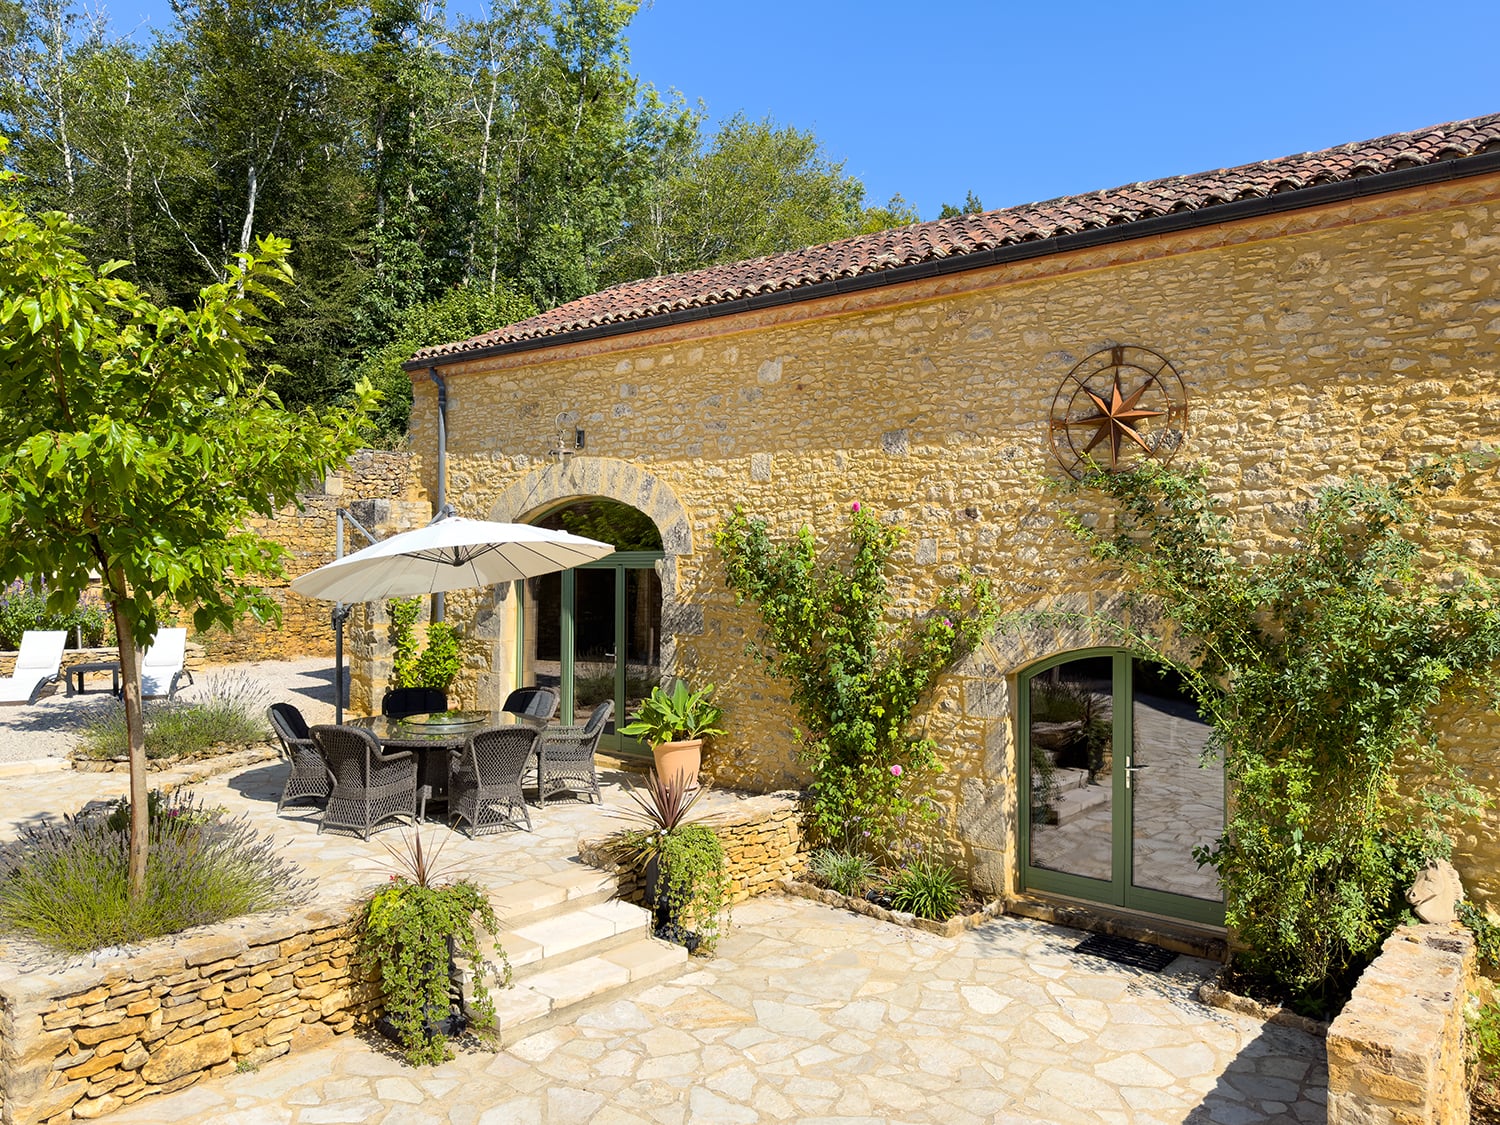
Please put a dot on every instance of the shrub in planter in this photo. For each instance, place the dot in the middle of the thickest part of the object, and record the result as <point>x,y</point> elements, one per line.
<point>228,711</point>
<point>846,873</point>
<point>927,888</point>
<point>434,665</point>
<point>411,932</point>
<point>683,863</point>
<point>68,886</point>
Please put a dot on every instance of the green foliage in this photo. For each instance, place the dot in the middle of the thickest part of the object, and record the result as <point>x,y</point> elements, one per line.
<point>457,315</point>
<point>675,716</point>
<point>756,188</point>
<point>927,888</point>
<point>609,521</point>
<point>169,809</point>
<point>1482,1048</point>
<point>68,887</point>
<point>436,664</point>
<point>971,206</point>
<point>1319,669</point>
<point>410,929</point>
<point>846,872</point>
<point>857,672</point>
<point>228,713</point>
<point>1486,933</point>
<point>689,858</point>
<point>24,607</point>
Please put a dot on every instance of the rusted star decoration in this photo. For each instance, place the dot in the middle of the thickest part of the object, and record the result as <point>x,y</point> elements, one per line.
<point>1126,398</point>
<point>1117,420</point>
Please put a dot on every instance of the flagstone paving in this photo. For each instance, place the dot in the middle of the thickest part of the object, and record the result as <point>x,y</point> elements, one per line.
<point>808,1013</point>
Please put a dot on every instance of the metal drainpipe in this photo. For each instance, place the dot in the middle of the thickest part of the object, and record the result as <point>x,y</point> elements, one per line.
<point>442,481</point>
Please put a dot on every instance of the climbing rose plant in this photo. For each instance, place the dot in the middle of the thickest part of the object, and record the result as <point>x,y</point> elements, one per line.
<point>857,670</point>
<point>1320,668</point>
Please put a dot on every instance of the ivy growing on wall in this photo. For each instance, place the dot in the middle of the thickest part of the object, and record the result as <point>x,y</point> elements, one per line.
<point>857,670</point>
<point>434,665</point>
<point>1319,667</point>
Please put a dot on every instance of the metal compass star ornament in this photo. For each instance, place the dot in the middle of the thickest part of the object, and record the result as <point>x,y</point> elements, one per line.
<point>1117,407</point>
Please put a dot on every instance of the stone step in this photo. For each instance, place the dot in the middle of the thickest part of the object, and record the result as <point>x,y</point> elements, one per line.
<point>572,934</point>
<point>531,900</point>
<point>554,994</point>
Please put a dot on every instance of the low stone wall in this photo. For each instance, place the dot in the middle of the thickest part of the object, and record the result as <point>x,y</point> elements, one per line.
<point>81,1041</point>
<point>1396,1051</point>
<point>762,838</point>
<point>195,660</point>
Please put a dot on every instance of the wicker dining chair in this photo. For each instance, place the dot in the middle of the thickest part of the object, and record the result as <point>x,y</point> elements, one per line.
<point>398,703</point>
<point>534,702</point>
<point>309,774</point>
<point>484,780</point>
<point>565,756</point>
<point>369,786</point>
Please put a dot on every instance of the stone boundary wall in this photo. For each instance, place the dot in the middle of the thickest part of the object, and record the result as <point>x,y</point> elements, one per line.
<point>81,1041</point>
<point>763,844</point>
<point>1396,1051</point>
<point>309,534</point>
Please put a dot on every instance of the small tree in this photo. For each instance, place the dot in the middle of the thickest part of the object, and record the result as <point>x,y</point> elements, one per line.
<point>857,672</point>
<point>1319,669</point>
<point>134,443</point>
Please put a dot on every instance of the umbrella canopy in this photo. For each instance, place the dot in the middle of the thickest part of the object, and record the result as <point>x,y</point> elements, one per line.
<point>451,553</point>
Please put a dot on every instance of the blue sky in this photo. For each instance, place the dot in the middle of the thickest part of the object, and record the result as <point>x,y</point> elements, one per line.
<point>1023,102</point>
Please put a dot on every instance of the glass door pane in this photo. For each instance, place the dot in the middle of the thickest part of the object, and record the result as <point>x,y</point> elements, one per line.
<point>541,632</point>
<point>595,651</point>
<point>1177,804</point>
<point>1071,736</point>
<point>642,644</point>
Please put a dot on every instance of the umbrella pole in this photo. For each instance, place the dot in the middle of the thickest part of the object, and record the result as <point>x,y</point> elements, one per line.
<point>340,615</point>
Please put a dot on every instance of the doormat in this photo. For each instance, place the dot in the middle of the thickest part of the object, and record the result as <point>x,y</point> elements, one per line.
<point>1126,951</point>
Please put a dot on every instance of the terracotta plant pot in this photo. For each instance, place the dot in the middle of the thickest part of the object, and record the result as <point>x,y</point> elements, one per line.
<point>679,759</point>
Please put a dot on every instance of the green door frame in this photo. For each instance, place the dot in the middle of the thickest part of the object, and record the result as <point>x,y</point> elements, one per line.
<point>1120,889</point>
<point>620,562</point>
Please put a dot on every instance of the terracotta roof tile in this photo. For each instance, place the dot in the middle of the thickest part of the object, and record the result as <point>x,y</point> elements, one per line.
<point>654,297</point>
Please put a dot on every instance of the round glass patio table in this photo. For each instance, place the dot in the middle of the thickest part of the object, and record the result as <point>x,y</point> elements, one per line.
<point>433,738</point>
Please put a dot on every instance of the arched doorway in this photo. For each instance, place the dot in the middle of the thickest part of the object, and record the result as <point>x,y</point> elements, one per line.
<point>594,632</point>
<point>1114,795</point>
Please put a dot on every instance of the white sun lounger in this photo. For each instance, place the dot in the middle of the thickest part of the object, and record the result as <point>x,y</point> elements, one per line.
<point>39,662</point>
<point>162,664</point>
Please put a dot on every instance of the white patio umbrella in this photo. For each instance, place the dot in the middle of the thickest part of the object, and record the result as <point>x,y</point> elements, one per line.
<point>450,553</point>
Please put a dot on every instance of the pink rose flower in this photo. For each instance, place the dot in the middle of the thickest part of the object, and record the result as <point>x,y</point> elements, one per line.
<point>895,771</point>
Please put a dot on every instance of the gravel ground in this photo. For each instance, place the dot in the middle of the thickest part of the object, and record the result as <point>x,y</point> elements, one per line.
<point>49,727</point>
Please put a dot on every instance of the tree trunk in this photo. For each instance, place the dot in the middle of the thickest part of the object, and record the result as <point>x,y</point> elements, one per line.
<point>135,731</point>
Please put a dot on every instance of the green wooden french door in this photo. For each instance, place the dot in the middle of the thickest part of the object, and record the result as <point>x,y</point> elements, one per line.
<point>594,633</point>
<point>1114,792</point>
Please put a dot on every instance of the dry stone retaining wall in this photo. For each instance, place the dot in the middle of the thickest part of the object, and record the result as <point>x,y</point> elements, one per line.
<point>79,1042</point>
<point>763,843</point>
<point>1396,1051</point>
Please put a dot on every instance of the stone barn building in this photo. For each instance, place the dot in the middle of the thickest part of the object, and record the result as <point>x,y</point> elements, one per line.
<point>1288,323</point>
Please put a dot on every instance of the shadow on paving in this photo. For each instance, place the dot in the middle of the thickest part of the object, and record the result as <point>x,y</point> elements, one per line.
<point>1279,1076</point>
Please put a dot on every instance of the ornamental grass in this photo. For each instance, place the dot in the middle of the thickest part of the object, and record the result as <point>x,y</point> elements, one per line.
<point>68,886</point>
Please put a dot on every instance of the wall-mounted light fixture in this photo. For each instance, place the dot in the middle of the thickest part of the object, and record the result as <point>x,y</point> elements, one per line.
<point>563,449</point>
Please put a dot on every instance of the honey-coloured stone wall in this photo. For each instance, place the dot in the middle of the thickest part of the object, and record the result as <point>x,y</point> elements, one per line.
<point>1354,337</point>
<point>77,1043</point>
<point>308,531</point>
<point>1396,1051</point>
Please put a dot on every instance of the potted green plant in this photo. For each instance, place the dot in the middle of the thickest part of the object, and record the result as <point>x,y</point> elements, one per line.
<point>413,931</point>
<point>675,723</point>
<point>681,860</point>
<point>433,665</point>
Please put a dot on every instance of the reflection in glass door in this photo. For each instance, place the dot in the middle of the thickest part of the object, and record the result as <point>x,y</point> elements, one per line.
<point>1118,798</point>
<point>594,633</point>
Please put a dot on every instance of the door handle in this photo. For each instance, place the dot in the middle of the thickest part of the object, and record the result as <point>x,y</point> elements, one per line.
<point>1130,771</point>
